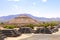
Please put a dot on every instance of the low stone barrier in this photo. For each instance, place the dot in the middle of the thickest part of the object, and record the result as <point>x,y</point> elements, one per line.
<point>25,30</point>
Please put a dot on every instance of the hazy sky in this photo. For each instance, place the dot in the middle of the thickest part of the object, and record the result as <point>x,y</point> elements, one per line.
<point>40,8</point>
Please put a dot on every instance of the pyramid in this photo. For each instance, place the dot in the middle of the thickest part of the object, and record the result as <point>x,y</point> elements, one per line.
<point>22,20</point>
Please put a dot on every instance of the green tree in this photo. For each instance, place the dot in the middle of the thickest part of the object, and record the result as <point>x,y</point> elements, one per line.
<point>30,25</point>
<point>44,25</point>
<point>9,26</point>
<point>52,24</point>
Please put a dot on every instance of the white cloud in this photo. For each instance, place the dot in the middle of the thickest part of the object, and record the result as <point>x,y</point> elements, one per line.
<point>15,9</point>
<point>44,0</point>
<point>14,0</point>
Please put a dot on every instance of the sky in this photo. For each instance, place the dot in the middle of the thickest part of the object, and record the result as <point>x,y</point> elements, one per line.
<point>39,8</point>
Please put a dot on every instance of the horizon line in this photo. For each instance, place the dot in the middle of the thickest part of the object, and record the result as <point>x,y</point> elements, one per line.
<point>26,14</point>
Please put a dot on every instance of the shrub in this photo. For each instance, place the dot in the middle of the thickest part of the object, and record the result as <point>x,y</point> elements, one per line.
<point>52,24</point>
<point>30,25</point>
<point>1,23</point>
<point>9,26</point>
<point>44,25</point>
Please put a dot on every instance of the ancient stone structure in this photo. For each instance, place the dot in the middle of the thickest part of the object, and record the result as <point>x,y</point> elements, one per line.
<point>22,20</point>
<point>24,30</point>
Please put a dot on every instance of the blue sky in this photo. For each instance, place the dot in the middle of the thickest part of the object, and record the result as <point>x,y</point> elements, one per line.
<point>39,8</point>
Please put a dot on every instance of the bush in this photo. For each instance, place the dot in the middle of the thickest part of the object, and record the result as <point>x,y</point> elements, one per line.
<point>52,24</point>
<point>30,25</point>
<point>9,26</point>
<point>1,23</point>
<point>44,25</point>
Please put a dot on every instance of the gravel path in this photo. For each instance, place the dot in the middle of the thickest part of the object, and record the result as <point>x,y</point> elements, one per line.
<point>35,37</point>
<point>19,37</point>
<point>43,37</point>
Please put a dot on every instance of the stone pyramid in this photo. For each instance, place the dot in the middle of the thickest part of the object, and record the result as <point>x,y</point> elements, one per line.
<point>23,19</point>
